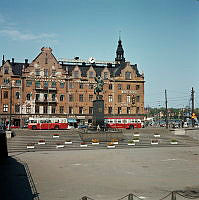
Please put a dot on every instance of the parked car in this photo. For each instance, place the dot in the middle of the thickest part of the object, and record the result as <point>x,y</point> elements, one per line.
<point>82,126</point>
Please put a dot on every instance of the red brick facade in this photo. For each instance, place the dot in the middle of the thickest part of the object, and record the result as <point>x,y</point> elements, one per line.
<point>47,87</point>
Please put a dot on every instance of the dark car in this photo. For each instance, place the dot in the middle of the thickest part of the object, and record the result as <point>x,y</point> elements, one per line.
<point>82,126</point>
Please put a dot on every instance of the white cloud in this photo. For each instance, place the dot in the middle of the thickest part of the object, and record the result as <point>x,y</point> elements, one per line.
<point>17,35</point>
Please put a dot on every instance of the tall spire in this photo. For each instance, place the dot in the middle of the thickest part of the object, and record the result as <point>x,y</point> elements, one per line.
<point>120,52</point>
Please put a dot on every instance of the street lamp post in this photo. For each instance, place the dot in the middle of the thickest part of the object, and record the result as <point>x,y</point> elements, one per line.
<point>10,115</point>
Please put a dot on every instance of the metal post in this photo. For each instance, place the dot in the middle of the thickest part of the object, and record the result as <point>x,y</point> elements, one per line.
<point>10,117</point>
<point>173,196</point>
<point>192,107</point>
<point>166,109</point>
<point>130,197</point>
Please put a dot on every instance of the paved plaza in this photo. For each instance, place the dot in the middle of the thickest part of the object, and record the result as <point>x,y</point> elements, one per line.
<point>98,172</point>
<point>110,174</point>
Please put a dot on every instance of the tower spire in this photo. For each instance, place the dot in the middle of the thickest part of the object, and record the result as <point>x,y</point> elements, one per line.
<point>120,51</point>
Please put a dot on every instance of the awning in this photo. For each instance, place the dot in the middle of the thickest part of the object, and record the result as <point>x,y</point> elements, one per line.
<point>70,120</point>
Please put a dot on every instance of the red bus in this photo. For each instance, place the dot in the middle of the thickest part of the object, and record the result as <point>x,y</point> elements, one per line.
<point>128,122</point>
<point>48,123</point>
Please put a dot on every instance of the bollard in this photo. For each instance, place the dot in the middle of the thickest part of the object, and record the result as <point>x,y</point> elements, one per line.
<point>130,197</point>
<point>173,196</point>
<point>84,198</point>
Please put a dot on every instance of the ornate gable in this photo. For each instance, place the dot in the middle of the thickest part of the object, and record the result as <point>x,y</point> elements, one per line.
<point>45,65</point>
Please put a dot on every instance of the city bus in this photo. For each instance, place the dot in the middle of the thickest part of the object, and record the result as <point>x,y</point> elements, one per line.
<point>48,123</point>
<point>127,122</point>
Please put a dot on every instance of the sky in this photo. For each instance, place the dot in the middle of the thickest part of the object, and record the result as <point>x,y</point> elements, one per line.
<point>160,36</point>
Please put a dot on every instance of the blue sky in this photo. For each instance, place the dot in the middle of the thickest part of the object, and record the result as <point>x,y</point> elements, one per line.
<point>161,36</point>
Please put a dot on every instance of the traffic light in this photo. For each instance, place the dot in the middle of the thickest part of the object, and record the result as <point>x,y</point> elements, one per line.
<point>193,116</point>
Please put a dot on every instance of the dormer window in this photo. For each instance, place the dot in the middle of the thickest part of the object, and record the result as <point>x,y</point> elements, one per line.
<point>53,72</point>
<point>37,72</point>
<point>45,72</point>
<point>128,75</point>
<point>105,75</point>
<point>91,74</point>
<point>6,70</point>
<point>76,74</point>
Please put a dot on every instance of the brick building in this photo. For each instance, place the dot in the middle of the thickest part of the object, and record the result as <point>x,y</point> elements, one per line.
<point>48,87</point>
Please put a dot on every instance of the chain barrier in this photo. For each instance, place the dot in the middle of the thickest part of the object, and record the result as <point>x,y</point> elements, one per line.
<point>186,195</point>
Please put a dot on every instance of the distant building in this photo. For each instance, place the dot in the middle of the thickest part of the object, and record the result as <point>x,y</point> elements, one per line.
<point>48,87</point>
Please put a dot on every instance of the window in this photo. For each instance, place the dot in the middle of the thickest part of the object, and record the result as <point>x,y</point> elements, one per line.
<point>45,109</point>
<point>53,97</point>
<point>71,86</point>
<point>128,87</point>
<point>61,109</point>
<point>80,110</point>
<point>37,84</point>
<point>128,110</point>
<point>45,97</point>
<point>28,83</point>
<point>119,98</point>
<point>62,85</point>
<point>37,72</point>
<point>105,75</point>
<point>53,72</point>
<point>128,99</point>
<point>91,74</point>
<point>110,110</point>
<point>119,110</point>
<point>137,98</point>
<point>137,110</point>
<point>119,86</point>
<point>70,110</point>
<point>5,94</point>
<point>91,86</point>
<point>128,75</point>
<point>37,97</point>
<point>71,98</point>
<point>28,109</point>
<point>28,97</point>
<point>45,72</point>
<point>36,109</point>
<point>53,84</point>
<point>17,94</point>
<point>76,74</point>
<point>5,107</point>
<point>61,97</point>
<point>53,109</point>
<point>17,108</point>
<point>6,70</point>
<point>81,97</point>
<point>45,84</point>
<point>18,82</point>
<point>137,87</point>
<point>110,98</point>
<point>90,97</point>
<point>90,110</point>
<point>110,86</point>
<point>81,86</point>
<point>6,81</point>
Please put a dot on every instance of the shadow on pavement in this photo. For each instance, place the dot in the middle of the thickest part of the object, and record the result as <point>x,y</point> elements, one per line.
<point>16,182</point>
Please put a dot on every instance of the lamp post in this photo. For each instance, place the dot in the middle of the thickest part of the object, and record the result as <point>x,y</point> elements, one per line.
<point>10,115</point>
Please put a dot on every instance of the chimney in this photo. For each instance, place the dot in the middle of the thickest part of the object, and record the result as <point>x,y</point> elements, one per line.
<point>3,60</point>
<point>26,62</point>
<point>13,60</point>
